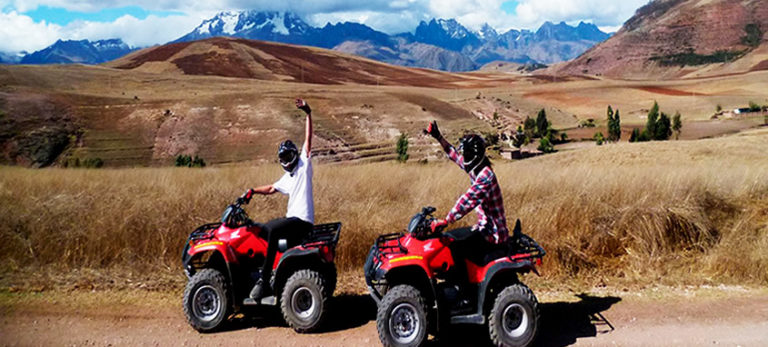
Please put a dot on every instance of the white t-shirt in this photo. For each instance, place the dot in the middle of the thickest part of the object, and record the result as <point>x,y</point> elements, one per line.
<point>298,186</point>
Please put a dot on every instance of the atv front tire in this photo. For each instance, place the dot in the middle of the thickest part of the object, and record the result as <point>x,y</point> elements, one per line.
<point>514,318</point>
<point>206,301</point>
<point>304,301</point>
<point>402,317</point>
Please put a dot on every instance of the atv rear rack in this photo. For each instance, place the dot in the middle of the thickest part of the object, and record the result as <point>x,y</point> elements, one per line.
<point>523,247</point>
<point>323,234</point>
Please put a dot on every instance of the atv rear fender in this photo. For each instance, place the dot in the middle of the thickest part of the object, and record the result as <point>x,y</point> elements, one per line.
<point>298,258</point>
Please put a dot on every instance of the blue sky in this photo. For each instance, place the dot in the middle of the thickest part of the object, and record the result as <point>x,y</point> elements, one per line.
<point>62,16</point>
<point>29,25</point>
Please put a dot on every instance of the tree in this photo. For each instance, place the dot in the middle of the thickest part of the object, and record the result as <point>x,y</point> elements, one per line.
<point>718,108</point>
<point>677,124</point>
<point>519,138</point>
<point>663,128</point>
<point>635,136</point>
<point>530,127</point>
<point>402,148</point>
<point>653,116</point>
<point>541,123</point>
<point>614,125</point>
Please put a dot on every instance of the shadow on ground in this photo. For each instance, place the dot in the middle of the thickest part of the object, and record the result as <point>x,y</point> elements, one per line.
<point>344,312</point>
<point>561,323</point>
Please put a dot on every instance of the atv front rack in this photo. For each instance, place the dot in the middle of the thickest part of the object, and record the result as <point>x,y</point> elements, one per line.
<point>204,232</point>
<point>323,234</point>
<point>389,244</point>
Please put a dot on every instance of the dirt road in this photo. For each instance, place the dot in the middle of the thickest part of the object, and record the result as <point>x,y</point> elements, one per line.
<point>717,317</point>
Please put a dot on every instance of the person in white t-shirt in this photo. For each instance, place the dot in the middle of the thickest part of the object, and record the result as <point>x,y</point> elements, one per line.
<point>297,184</point>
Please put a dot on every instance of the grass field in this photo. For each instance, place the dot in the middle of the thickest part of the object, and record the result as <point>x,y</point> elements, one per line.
<point>678,212</point>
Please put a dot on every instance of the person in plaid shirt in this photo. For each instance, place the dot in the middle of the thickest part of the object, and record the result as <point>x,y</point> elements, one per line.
<point>484,196</point>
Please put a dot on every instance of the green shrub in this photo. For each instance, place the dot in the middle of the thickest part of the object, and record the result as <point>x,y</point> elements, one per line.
<point>718,108</point>
<point>754,35</point>
<point>599,139</point>
<point>402,148</point>
<point>546,146</point>
<point>754,107</point>
<point>692,59</point>
<point>491,138</point>
<point>183,160</point>
<point>93,163</point>
<point>519,138</point>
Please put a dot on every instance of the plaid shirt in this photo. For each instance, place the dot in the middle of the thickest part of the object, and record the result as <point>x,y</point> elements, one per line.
<point>484,196</point>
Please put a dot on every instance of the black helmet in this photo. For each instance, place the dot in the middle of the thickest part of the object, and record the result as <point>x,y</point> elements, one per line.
<point>288,155</point>
<point>472,148</point>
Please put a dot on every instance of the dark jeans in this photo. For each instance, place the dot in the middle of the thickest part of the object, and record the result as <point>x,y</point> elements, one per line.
<point>293,230</point>
<point>467,244</point>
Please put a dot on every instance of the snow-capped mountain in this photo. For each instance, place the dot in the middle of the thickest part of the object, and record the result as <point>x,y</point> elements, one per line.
<point>82,52</point>
<point>271,26</point>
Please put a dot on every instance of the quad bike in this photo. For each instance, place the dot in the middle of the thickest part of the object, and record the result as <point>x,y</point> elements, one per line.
<point>221,261</point>
<point>412,278</point>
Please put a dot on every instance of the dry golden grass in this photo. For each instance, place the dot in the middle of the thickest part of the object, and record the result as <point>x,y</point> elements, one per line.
<point>687,212</point>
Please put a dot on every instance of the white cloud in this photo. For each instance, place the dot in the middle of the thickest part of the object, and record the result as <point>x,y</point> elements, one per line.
<point>20,33</point>
<point>135,32</point>
<point>600,12</point>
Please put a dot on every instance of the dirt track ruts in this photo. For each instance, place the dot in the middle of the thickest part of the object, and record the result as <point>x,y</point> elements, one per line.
<point>730,319</point>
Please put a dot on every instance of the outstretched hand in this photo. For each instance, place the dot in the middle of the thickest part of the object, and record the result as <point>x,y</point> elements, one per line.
<point>303,105</point>
<point>433,131</point>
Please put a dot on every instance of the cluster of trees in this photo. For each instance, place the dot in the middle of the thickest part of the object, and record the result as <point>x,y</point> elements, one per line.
<point>183,160</point>
<point>614,128</point>
<point>538,128</point>
<point>658,127</point>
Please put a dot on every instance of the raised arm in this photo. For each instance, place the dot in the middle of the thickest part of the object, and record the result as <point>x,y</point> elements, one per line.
<point>302,105</point>
<point>433,131</point>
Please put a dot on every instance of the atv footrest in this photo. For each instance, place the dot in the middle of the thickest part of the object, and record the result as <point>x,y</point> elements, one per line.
<point>475,318</point>
<point>268,301</point>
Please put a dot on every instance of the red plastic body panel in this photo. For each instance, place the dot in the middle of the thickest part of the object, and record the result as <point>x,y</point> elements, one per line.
<point>236,243</point>
<point>434,256</point>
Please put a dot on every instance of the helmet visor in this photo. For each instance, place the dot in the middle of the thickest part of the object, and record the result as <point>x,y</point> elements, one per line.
<point>287,157</point>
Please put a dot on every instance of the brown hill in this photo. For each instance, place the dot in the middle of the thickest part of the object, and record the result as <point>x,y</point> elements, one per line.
<point>682,38</point>
<point>241,58</point>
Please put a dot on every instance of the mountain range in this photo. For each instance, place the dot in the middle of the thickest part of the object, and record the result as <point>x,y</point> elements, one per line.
<point>81,52</point>
<point>442,44</point>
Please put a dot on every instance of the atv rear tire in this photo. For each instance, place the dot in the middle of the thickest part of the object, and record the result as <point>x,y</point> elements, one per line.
<point>514,318</point>
<point>304,301</point>
<point>402,317</point>
<point>206,301</point>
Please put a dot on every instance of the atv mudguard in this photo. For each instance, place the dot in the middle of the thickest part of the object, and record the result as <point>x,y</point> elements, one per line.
<point>215,249</point>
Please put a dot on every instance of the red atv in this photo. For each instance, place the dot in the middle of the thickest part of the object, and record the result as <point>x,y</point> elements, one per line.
<point>222,259</point>
<point>410,276</point>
